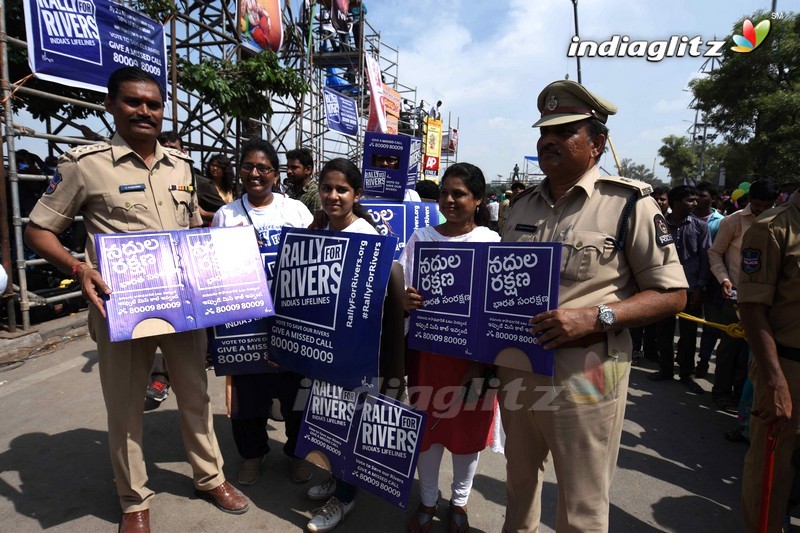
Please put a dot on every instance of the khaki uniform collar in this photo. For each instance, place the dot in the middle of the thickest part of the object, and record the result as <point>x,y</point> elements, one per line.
<point>120,149</point>
<point>586,183</point>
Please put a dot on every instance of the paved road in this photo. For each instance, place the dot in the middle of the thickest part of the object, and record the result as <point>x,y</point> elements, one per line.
<point>675,471</point>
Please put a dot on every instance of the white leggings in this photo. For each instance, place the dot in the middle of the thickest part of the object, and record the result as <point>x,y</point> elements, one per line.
<point>464,467</point>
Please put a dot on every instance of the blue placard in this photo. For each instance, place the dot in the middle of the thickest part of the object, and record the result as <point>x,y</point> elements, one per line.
<point>81,42</point>
<point>190,279</point>
<point>390,165</point>
<point>401,219</point>
<point>370,441</point>
<point>479,298</point>
<point>329,290</point>
<point>341,112</point>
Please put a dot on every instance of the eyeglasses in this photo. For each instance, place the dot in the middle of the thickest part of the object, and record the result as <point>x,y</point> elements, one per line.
<point>247,168</point>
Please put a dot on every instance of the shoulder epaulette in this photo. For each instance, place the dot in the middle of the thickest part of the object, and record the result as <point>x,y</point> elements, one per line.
<point>86,149</point>
<point>177,153</point>
<point>644,188</point>
<point>526,192</point>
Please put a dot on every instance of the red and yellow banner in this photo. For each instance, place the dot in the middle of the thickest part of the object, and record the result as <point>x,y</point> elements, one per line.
<point>433,146</point>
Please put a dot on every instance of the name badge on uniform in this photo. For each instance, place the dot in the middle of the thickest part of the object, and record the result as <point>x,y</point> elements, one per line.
<point>526,228</point>
<point>132,188</point>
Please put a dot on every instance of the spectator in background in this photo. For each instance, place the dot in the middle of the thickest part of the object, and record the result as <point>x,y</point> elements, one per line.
<point>516,188</point>
<point>712,305</point>
<point>692,240</point>
<point>300,179</point>
<point>493,208</point>
<point>725,260</point>
<point>428,191</point>
<point>660,195</point>
<point>435,112</point>
<point>217,187</point>
<point>357,12</point>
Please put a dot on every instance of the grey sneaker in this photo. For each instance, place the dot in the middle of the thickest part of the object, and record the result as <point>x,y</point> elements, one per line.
<point>329,515</point>
<point>301,470</point>
<point>323,491</point>
<point>250,471</point>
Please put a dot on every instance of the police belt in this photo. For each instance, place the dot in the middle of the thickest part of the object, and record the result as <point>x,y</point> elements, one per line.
<point>793,354</point>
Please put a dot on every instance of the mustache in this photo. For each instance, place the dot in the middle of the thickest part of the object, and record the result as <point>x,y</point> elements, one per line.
<point>549,150</point>
<point>144,120</point>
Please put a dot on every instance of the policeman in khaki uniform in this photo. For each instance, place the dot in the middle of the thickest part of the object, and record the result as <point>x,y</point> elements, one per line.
<point>619,269</point>
<point>133,184</point>
<point>769,304</point>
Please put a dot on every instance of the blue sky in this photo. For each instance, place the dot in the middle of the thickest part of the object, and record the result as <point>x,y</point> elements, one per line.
<point>488,61</point>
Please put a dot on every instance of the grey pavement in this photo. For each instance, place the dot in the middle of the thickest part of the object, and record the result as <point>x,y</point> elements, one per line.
<point>675,471</point>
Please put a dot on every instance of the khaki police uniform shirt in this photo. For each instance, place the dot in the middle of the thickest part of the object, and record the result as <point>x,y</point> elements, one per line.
<point>111,186</point>
<point>770,269</point>
<point>585,221</point>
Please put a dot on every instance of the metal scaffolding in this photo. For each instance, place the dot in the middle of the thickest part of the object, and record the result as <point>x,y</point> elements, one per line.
<point>200,30</point>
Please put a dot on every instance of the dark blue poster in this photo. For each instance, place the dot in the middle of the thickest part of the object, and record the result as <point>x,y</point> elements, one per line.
<point>369,441</point>
<point>341,112</point>
<point>479,298</point>
<point>81,42</point>
<point>329,290</point>
<point>391,164</point>
<point>401,219</point>
<point>181,280</point>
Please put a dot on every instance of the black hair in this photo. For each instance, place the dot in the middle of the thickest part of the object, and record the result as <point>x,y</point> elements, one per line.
<point>228,176</point>
<point>709,188</point>
<point>597,128</point>
<point>352,174</point>
<point>518,185</point>
<point>473,179</point>
<point>765,190</point>
<point>427,190</point>
<point>658,191</point>
<point>303,155</point>
<point>260,145</point>
<point>676,194</point>
<point>169,137</point>
<point>126,74</point>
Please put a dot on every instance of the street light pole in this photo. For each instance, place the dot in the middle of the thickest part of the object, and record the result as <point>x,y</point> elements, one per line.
<point>575,15</point>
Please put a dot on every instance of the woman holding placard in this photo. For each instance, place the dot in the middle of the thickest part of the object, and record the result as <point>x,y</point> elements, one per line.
<point>464,432</point>
<point>252,394</point>
<point>339,192</point>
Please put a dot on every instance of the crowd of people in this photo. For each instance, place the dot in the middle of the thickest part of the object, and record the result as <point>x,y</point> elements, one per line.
<point>631,260</point>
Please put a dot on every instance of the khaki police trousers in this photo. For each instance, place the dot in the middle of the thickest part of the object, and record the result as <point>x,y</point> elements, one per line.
<point>786,446</point>
<point>124,375</point>
<point>577,417</point>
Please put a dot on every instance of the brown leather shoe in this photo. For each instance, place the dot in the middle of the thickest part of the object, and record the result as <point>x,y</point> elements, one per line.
<point>226,497</point>
<point>135,522</point>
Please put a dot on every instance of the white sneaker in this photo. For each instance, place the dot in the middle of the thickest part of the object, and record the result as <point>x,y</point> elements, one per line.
<point>324,490</point>
<point>329,515</point>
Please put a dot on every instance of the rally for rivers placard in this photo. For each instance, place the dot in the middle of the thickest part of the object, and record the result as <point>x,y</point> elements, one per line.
<point>181,280</point>
<point>479,298</point>
<point>329,289</point>
<point>371,441</point>
<point>401,219</point>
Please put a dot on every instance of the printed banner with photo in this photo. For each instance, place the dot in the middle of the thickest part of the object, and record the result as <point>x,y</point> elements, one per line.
<point>260,25</point>
<point>181,280</point>
<point>80,43</point>
<point>479,298</point>
<point>341,112</point>
<point>390,164</point>
<point>401,219</point>
<point>369,441</point>
<point>329,290</point>
<point>433,146</point>
<point>376,120</point>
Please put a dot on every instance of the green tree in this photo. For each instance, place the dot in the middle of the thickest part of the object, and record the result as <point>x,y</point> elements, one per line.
<point>753,99</point>
<point>629,169</point>
<point>678,157</point>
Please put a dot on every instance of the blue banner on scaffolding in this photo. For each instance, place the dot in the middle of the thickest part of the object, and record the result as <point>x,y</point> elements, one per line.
<point>341,113</point>
<point>79,43</point>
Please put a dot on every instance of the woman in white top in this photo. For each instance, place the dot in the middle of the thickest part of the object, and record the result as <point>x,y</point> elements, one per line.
<point>252,394</point>
<point>462,202</point>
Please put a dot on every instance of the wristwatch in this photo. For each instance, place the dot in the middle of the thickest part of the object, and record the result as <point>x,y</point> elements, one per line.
<point>606,317</point>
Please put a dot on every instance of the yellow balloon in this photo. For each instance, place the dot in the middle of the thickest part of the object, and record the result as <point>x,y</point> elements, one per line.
<point>738,193</point>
